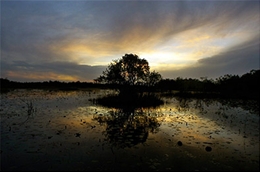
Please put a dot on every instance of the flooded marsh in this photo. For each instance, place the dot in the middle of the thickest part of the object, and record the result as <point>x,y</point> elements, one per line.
<point>68,130</point>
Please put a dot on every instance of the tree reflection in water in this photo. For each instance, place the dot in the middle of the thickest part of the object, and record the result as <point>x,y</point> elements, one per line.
<point>127,128</point>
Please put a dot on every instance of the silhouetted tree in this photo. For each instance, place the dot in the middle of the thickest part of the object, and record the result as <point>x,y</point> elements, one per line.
<point>129,72</point>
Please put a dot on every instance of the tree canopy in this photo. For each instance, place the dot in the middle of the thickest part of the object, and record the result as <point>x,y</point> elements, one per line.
<point>130,70</point>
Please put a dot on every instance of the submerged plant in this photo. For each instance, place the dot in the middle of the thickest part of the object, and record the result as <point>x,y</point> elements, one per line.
<point>31,110</point>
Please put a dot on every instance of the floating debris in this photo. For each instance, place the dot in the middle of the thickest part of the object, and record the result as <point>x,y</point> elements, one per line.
<point>77,134</point>
<point>179,143</point>
<point>208,148</point>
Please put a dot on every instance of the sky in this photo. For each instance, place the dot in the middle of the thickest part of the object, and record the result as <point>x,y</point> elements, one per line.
<point>76,40</point>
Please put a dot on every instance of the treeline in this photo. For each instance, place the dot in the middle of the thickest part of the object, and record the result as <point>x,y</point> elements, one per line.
<point>245,86</point>
<point>7,85</point>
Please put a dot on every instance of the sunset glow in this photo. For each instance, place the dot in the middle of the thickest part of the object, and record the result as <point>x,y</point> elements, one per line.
<point>177,38</point>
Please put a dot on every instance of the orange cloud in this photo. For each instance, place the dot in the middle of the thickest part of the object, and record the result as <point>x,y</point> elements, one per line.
<point>36,76</point>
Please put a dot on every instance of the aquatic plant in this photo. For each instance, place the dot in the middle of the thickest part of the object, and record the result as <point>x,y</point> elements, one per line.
<point>31,110</point>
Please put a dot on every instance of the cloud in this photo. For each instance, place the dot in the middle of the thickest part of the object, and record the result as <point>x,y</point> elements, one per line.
<point>181,37</point>
<point>238,60</point>
<point>62,71</point>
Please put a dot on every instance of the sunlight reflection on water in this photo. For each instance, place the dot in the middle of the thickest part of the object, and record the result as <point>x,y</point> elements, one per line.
<point>69,131</point>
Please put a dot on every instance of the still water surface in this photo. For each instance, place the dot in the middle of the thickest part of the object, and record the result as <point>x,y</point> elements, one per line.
<point>66,130</point>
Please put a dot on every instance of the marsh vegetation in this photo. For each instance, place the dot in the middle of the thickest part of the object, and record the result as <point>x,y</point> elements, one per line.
<point>71,131</point>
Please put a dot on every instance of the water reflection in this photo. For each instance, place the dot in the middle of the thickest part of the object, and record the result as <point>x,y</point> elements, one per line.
<point>183,104</point>
<point>214,134</point>
<point>124,128</point>
<point>186,104</point>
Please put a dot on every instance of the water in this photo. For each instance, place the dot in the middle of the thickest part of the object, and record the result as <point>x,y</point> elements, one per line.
<point>66,130</point>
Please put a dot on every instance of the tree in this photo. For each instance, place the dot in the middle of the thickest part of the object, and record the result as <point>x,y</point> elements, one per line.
<point>128,72</point>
